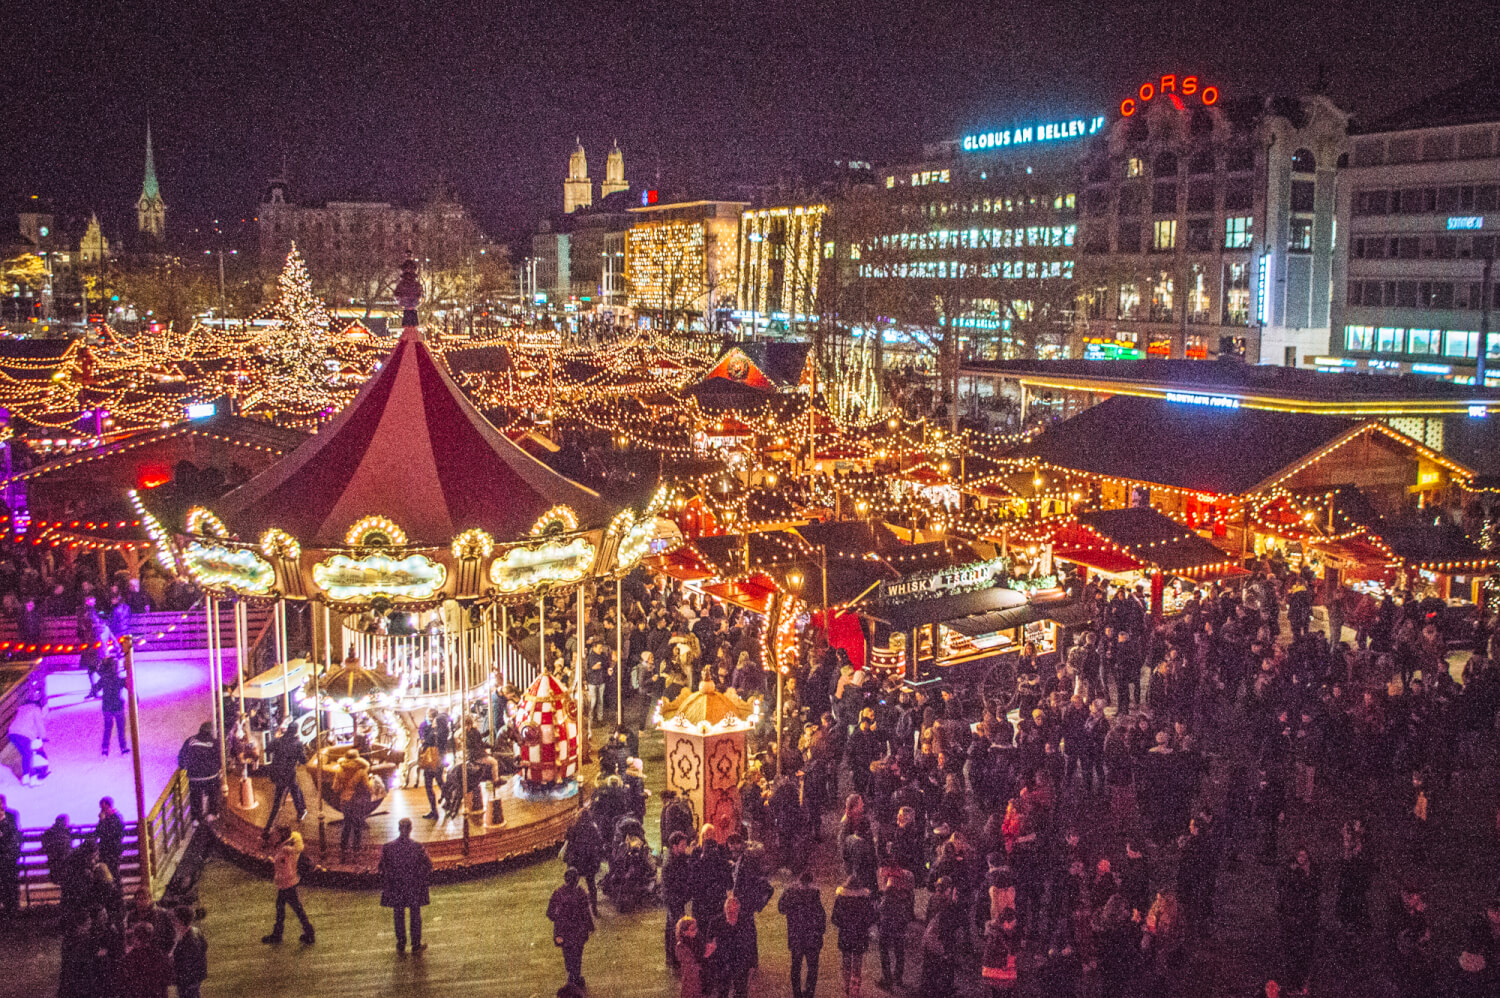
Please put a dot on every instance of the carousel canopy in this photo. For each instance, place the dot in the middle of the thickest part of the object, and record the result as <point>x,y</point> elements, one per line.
<point>413,448</point>
<point>354,682</point>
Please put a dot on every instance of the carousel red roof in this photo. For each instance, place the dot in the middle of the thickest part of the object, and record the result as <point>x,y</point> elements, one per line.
<point>413,448</point>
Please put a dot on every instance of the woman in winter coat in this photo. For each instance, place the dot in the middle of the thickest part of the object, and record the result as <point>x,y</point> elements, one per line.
<point>1002,953</point>
<point>853,915</point>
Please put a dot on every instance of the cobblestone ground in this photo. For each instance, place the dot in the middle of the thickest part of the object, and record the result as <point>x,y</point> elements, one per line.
<point>489,936</point>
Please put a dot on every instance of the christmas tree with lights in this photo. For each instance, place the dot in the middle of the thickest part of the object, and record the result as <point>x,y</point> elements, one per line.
<point>296,346</point>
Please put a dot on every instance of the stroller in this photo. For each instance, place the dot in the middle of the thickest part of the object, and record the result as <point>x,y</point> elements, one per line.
<point>631,879</point>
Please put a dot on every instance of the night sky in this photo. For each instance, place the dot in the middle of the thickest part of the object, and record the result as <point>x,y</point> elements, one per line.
<point>375,99</point>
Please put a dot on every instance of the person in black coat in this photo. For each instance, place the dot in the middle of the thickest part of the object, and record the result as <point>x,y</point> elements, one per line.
<point>199,758</point>
<point>676,887</point>
<point>572,920</point>
<point>583,850</point>
<point>57,843</point>
<point>112,704</point>
<point>286,757</point>
<point>110,831</point>
<point>713,877</point>
<point>405,871</point>
<point>10,860</point>
<point>806,921</point>
<point>733,934</point>
<point>1297,911</point>
<point>189,954</point>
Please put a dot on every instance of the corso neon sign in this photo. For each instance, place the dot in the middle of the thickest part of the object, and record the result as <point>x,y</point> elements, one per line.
<point>1173,87</point>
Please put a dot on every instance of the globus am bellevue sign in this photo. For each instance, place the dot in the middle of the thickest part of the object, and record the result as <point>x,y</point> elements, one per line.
<point>1044,131</point>
<point>1173,87</point>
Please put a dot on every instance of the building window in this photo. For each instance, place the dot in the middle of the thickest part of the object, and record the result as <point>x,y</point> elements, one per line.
<point>1199,301</point>
<point>1424,342</point>
<point>1237,232</point>
<point>1389,339</point>
<point>1165,165</point>
<point>1239,195</point>
<point>1130,301</point>
<point>1135,167</point>
<point>1240,159</point>
<point>1359,339</point>
<point>1303,161</point>
<point>1200,235</point>
<point>1094,301</point>
<point>1303,195</point>
<point>1200,195</point>
<point>1301,236</point>
<point>1161,297</point>
<point>1201,163</point>
<point>1130,199</point>
<point>1164,197</point>
<point>1457,343</point>
<point>1163,236</point>
<point>1236,294</point>
<point>1129,238</point>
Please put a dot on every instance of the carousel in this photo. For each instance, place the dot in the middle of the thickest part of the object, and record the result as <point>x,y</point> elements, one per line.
<point>397,548</point>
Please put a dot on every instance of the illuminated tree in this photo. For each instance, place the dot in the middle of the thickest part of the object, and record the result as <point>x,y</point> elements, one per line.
<point>295,348</point>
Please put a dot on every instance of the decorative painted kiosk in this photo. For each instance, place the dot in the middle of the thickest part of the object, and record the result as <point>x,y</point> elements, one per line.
<point>705,747</point>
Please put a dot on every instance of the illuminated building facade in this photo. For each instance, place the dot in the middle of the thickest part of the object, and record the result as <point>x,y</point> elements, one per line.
<point>782,256</point>
<point>682,260</point>
<point>578,189</point>
<point>580,256</point>
<point>979,235</point>
<point>1206,226</point>
<point>150,209</point>
<point>1418,215</point>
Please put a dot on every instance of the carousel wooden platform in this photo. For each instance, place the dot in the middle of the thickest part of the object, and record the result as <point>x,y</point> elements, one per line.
<point>530,827</point>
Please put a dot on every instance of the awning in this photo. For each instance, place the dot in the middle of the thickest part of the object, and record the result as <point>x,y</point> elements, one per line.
<point>995,620</point>
<point>1069,614</point>
<point>942,609</point>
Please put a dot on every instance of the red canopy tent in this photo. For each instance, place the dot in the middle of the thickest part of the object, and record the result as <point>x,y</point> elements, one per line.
<point>413,448</point>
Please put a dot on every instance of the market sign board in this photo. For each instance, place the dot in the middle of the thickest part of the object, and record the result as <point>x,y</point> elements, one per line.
<point>946,581</point>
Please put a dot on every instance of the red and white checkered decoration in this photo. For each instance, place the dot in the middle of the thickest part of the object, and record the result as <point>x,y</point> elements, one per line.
<point>549,733</point>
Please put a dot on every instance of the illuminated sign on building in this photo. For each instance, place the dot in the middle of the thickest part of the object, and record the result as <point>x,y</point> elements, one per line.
<point>1051,131</point>
<point>1212,401</point>
<point>1432,369</point>
<point>1478,411</point>
<point>1465,222</point>
<point>1263,292</point>
<point>1174,89</point>
<point>200,410</point>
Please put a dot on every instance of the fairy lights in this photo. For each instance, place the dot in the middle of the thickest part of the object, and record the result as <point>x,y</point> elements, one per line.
<point>557,520</point>
<point>375,531</point>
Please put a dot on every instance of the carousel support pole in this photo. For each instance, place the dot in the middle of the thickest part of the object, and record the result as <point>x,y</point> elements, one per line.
<point>619,659</point>
<point>327,637</point>
<point>779,743</point>
<point>279,621</point>
<point>541,603</point>
<point>145,842</point>
<point>586,729</point>
<point>504,637</point>
<point>240,639</point>
<point>463,735</point>
<point>216,667</point>
<point>318,757</point>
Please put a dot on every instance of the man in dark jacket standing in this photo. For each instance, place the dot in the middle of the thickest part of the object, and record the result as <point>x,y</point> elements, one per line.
<point>405,871</point>
<point>199,758</point>
<point>733,934</point>
<point>110,831</point>
<point>806,921</point>
<point>676,887</point>
<point>572,923</point>
<point>189,952</point>
<point>286,757</point>
<point>112,704</point>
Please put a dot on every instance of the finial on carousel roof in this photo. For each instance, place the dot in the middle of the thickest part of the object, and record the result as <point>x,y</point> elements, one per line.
<point>408,294</point>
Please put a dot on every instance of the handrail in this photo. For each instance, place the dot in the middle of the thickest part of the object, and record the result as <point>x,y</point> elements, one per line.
<point>169,824</point>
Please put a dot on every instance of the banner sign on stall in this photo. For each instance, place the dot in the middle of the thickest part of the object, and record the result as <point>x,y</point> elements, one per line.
<point>946,581</point>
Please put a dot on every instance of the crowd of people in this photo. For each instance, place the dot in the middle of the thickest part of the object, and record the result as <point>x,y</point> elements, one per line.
<point>1070,839</point>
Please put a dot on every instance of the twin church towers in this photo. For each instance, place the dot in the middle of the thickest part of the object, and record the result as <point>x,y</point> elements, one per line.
<point>578,189</point>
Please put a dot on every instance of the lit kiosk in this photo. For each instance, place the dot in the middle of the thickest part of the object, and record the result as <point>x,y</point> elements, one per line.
<point>705,749</point>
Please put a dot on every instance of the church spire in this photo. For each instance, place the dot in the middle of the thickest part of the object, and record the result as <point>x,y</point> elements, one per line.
<point>614,172</point>
<point>578,189</point>
<point>150,209</point>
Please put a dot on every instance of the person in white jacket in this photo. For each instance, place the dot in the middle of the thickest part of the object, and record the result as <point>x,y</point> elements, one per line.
<point>284,863</point>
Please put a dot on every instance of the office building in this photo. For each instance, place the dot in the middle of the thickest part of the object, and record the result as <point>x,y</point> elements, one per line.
<point>1207,224</point>
<point>1418,213</point>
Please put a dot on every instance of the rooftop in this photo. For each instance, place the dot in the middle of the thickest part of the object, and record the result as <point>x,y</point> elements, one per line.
<point>1469,102</point>
<point>1249,386</point>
